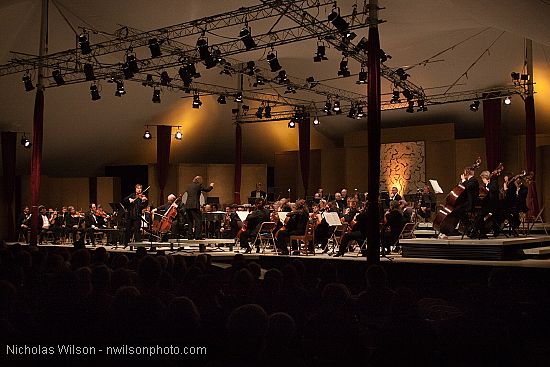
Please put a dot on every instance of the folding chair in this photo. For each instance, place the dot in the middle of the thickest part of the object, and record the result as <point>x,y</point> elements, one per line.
<point>336,236</point>
<point>306,238</point>
<point>265,236</point>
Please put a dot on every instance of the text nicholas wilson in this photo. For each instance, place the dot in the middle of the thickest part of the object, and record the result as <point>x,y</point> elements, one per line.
<point>60,349</point>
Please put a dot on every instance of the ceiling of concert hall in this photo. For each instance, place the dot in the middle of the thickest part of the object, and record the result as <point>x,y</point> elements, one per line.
<point>81,135</point>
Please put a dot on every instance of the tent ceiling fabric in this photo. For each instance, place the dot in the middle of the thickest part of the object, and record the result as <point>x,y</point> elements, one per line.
<point>77,128</point>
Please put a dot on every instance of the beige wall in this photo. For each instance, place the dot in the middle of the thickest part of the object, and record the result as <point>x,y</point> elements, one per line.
<point>333,169</point>
<point>56,192</point>
<point>107,187</point>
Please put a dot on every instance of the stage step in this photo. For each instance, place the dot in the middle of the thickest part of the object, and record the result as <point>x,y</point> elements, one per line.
<point>537,251</point>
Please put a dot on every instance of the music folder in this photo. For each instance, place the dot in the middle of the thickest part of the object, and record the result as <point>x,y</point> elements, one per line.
<point>436,187</point>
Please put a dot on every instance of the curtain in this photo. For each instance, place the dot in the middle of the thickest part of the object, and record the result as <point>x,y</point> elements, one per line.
<point>531,152</point>
<point>493,136</point>
<point>36,160</point>
<point>304,142</point>
<point>164,135</point>
<point>238,163</point>
<point>374,143</point>
<point>9,145</point>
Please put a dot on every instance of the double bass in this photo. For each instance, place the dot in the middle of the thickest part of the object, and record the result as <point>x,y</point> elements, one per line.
<point>445,222</point>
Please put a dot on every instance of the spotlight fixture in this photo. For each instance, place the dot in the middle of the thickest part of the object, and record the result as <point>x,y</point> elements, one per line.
<point>25,142</point>
<point>410,109</point>
<point>292,123</point>
<point>128,73</point>
<point>156,95</point>
<point>362,45</point>
<point>395,97</point>
<point>259,113</point>
<point>328,108</point>
<point>474,106</point>
<point>524,77</point>
<point>267,111</point>
<point>148,81</point>
<point>154,47</point>
<point>94,91</point>
<point>221,99</point>
<point>131,60</point>
<point>336,107</point>
<point>226,70</point>
<point>120,88</point>
<point>311,81</point>
<point>204,53</point>
<point>421,106</point>
<point>164,78</point>
<point>84,44</point>
<point>344,72</point>
<point>196,100</point>
<point>360,113</point>
<point>507,101</point>
<point>247,39</point>
<point>239,97</point>
<point>515,76</point>
<point>282,77</point>
<point>57,77</point>
<point>320,55</point>
<point>402,73</point>
<point>89,72</point>
<point>273,61</point>
<point>259,81</point>
<point>245,108</point>
<point>27,81</point>
<point>352,112</point>
<point>337,21</point>
<point>147,134</point>
<point>407,94</point>
<point>383,56</point>
<point>362,77</point>
<point>178,135</point>
<point>316,121</point>
<point>290,89</point>
<point>250,68</point>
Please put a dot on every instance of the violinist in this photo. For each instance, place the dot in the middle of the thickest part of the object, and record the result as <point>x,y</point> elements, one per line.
<point>395,221</point>
<point>25,223</point>
<point>284,205</point>
<point>92,225</point>
<point>427,203</point>
<point>254,221</point>
<point>231,221</point>
<point>516,200</point>
<point>72,222</point>
<point>322,229</point>
<point>340,203</point>
<point>350,212</point>
<point>490,207</point>
<point>295,224</point>
<point>135,202</point>
<point>44,224</point>
<point>358,232</point>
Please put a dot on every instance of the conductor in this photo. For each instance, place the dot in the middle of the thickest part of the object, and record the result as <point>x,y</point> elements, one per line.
<point>193,206</point>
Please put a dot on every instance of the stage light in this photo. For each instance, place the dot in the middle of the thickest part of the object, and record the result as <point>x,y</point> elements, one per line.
<point>360,113</point>
<point>352,112</point>
<point>57,77</point>
<point>128,74</point>
<point>292,123</point>
<point>267,111</point>
<point>362,77</point>
<point>515,76</point>
<point>154,47</point>
<point>25,142</point>
<point>321,53</point>
<point>148,81</point>
<point>196,101</point>
<point>524,77</point>
<point>282,77</point>
<point>407,94</point>
<point>27,81</point>
<point>178,135</point>
<point>362,45</point>
<point>410,109</point>
<point>337,21</point>
<point>245,108</point>
<point>421,106</point>
<point>94,91</point>
<point>204,53</point>
<point>250,68</point>
<point>401,73</point>
<point>316,121</point>
<point>147,135</point>
<point>156,95</point>
<point>273,61</point>
<point>84,44</point>
<point>344,72</point>
<point>507,101</point>
<point>247,39</point>
<point>120,88</point>
<point>290,89</point>
<point>89,72</point>
<point>328,108</point>
<point>311,81</point>
<point>395,97</point>
<point>259,81</point>
<point>336,107</point>
<point>131,60</point>
<point>259,113</point>
<point>239,97</point>
<point>221,99</point>
<point>164,78</point>
<point>226,70</point>
<point>383,56</point>
<point>474,106</point>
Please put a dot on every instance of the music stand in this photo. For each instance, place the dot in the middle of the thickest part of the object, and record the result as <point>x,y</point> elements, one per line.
<point>252,200</point>
<point>385,199</point>
<point>212,200</point>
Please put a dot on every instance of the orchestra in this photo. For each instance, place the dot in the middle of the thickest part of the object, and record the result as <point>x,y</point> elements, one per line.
<point>478,207</point>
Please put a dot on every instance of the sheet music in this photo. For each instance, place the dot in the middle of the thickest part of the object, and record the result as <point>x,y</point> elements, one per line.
<point>436,187</point>
<point>282,216</point>
<point>242,214</point>
<point>332,218</point>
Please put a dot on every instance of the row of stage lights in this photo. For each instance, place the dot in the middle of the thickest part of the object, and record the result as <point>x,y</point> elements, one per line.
<point>148,136</point>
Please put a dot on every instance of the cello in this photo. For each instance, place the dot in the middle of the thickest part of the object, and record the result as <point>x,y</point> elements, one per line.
<point>445,222</point>
<point>165,223</point>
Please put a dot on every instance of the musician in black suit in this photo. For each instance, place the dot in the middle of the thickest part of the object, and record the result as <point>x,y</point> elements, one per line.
<point>358,232</point>
<point>395,194</point>
<point>254,221</point>
<point>24,223</point>
<point>490,215</point>
<point>516,200</point>
<point>296,225</point>
<point>91,221</point>
<point>258,193</point>
<point>193,206</point>
<point>134,203</point>
<point>427,203</point>
<point>395,221</point>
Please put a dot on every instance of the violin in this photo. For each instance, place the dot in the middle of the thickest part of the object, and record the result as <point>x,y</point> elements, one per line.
<point>53,216</point>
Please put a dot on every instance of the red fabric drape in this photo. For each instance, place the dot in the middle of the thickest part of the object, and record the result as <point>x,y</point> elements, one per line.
<point>493,136</point>
<point>164,135</point>
<point>374,141</point>
<point>304,142</point>
<point>36,161</point>
<point>9,146</point>
<point>531,152</point>
<point>238,162</point>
